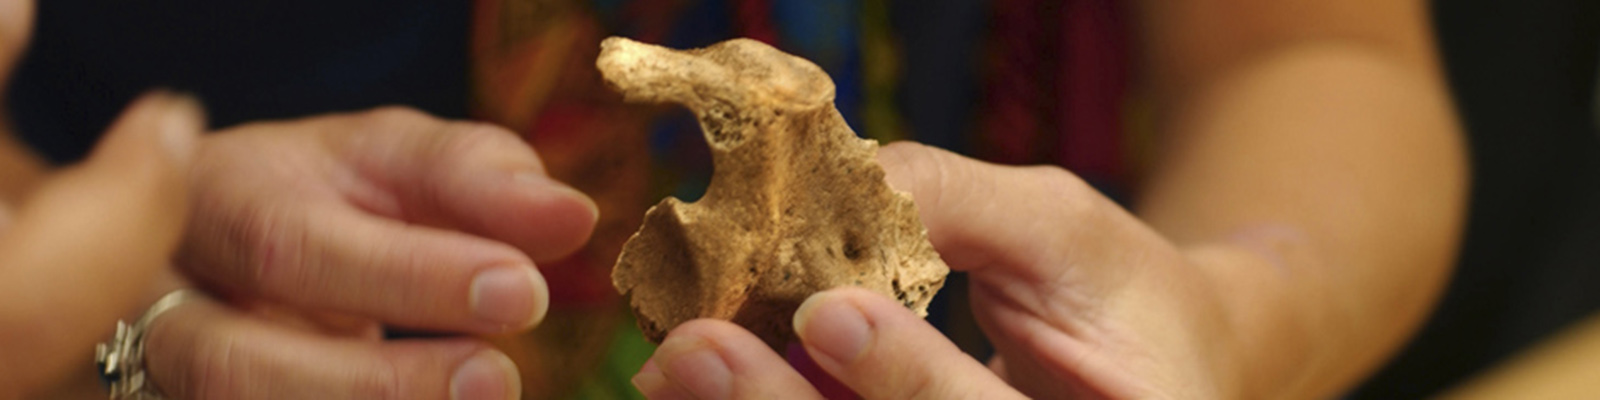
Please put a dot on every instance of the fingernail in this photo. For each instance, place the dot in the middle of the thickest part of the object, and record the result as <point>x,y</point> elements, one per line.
<point>560,189</point>
<point>487,375</point>
<point>650,381</point>
<point>696,366</point>
<point>514,296</point>
<point>181,125</point>
<point>832,326</point>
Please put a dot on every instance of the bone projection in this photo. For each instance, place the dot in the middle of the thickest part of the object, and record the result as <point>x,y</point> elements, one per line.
<point>797,205</point>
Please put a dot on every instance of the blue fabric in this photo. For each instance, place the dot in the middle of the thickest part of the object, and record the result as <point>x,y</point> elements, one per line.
<point>246,60</point>
<point>827,32</point>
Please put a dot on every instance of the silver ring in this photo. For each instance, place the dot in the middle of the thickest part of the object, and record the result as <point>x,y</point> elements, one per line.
<point>120,362</point>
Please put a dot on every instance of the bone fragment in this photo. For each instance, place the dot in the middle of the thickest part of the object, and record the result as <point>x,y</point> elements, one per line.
<point>797,204</point>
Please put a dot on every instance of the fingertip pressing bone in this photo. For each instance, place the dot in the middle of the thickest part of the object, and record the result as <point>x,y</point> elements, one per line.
<point>797,204</point>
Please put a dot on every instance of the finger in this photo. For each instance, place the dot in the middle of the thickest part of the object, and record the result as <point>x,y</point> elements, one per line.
<point>713,359</point>
<point>1027,220</point>
<point>203,350</point>
<point>83,247</point>
<point>16,22</point>
<point>654,385</point>
<point>883,351</point>
<point>332,257</point>
<point>998,366</point>
<point>471,176</point>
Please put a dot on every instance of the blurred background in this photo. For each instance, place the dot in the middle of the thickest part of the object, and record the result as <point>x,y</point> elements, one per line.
<point>1011,81</point>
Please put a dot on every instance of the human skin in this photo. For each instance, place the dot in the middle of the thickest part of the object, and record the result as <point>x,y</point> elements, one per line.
<point>315,234</point>
<point>85,244</point>
<point>80,245</point>
<point>319,232</point>
<point>1298,225</point>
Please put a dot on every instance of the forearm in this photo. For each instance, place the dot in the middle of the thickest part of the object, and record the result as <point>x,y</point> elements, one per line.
<point>1561,367</point>
<point>1319,190</point>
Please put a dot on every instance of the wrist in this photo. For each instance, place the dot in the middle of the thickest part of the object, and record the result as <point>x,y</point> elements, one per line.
<point>1266,336</point>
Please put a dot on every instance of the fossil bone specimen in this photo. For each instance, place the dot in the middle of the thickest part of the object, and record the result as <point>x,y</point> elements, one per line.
<point>797,203</point>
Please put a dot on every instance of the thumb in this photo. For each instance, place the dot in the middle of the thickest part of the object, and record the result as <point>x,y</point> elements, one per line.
<point>881,350</point>
<point>86,245</point>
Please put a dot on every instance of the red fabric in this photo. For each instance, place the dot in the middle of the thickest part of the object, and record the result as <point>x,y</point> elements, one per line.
<point>753,19</point>
<point>1018,88</point>
<point>1092,82</point>
<point>1057,73</point>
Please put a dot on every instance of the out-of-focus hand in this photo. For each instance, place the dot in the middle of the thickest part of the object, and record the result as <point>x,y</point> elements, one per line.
<point>320,232</point>
<point>16,21</point>
<point>84,248</point>
<point>1079,298</point>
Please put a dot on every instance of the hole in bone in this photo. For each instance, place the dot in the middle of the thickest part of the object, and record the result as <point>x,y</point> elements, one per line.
<point>682,156</point>
<point>852,246</point>
<point>724,125</point>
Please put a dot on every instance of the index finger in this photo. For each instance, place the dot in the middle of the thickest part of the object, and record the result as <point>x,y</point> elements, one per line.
<point>980,214</point>
<point>475,177</point>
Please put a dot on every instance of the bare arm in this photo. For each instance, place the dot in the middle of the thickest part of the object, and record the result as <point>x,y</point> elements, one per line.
<point>1302,221</point>
<point>1314,173</point>
<point>1563,367</point>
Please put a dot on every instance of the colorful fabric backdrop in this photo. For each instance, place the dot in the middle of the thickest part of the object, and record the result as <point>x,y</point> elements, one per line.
<point>1011,81</point>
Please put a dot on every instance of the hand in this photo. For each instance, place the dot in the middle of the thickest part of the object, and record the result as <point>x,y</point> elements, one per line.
<point>1079,298</point>
<point>16,22</point>
<point>320,232</point>
<point>81,251</point>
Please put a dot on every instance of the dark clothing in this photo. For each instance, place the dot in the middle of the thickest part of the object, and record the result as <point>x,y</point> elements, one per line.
<point>247,60</point>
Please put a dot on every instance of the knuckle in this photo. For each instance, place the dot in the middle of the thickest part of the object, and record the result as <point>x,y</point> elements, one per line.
<point>920,170</point>
<point>171,356</point>
<point>394,113</point>
<point>925,385</point>
<point>919,385</point>
<point>471,143</point>
<point>391,119</point>
<point>909,156</point>
<point>266,243</point>
<point>217,367</point>
<point>381,383</point>
<point>465,139</point>
<point>1060,181</point>
<point>1072,196</point>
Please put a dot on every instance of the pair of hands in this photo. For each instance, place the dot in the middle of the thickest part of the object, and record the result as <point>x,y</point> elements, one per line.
<point>320,232</point>
<point>1079,298</point>
<point>316,234</point>
<point>90,240</point>
<point>387,217</point>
